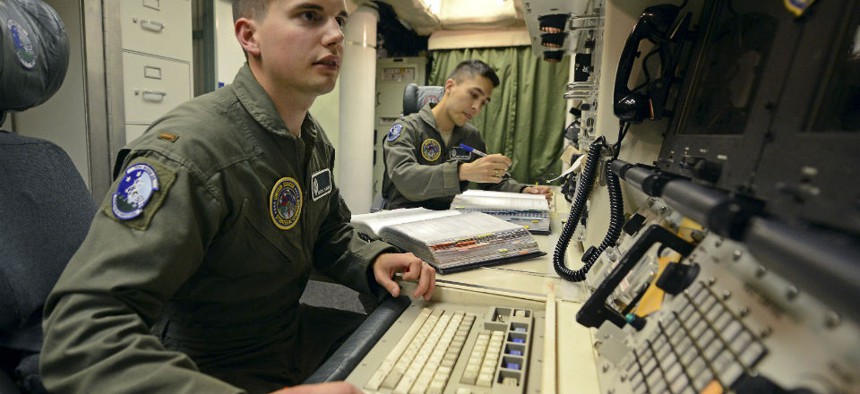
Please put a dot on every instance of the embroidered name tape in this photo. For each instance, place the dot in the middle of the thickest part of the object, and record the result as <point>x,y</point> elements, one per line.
<point>321,184</point>
<point>460,154</point>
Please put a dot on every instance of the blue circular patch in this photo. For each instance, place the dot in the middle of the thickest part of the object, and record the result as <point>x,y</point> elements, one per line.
<point>134,191</point>
<point>23,45</point>
<point>394,132</point>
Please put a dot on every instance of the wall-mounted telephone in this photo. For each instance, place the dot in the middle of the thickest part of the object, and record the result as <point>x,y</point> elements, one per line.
<point>656,25</point>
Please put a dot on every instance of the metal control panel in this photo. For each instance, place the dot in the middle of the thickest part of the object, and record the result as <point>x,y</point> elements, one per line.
<point>728,323</point>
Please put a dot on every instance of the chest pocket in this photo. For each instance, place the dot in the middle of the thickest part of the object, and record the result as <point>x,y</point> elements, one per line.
<point>255,246</point>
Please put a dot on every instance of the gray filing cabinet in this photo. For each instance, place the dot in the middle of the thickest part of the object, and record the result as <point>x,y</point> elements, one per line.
<point>156,60</point>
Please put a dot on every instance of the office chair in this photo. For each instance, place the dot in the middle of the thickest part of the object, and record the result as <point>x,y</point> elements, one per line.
<point>415,97</point>
<point>45,207</point>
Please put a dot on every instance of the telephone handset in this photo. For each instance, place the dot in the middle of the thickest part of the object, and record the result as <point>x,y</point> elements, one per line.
<point>654,25</point>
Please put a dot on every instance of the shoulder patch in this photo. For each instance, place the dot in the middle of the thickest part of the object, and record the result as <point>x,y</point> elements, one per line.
<point>136,187</point>
<point>395,132</point>
<point>139,193</point>
<point>431,149</point>
<point>285,203</point>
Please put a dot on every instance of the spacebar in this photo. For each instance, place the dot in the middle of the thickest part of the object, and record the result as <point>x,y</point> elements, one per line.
<point>353,350</point>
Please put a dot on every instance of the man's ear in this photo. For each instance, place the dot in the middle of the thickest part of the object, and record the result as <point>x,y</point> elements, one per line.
<point>450,83</point>
<point>246,34</point>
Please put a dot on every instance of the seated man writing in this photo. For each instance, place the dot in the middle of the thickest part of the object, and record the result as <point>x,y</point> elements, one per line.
<point>424,163</point>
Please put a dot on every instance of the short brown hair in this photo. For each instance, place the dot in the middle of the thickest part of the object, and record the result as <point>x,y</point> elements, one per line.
<point>254,9</point>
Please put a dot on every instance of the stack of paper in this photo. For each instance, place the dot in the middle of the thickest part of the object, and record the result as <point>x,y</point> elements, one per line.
<point>451,241</point>
<point>528,210</point>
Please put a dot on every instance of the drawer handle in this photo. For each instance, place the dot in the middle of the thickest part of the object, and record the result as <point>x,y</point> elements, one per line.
<point>155,26</point>
<point>156,96</point>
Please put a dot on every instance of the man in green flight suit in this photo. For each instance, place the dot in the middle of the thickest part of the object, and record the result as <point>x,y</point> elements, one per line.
<point>211,229</point>
<point>424,164</point>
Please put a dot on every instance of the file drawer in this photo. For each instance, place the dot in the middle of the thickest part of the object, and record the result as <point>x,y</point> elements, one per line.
<point>153,86</point>
<point>158,27</point>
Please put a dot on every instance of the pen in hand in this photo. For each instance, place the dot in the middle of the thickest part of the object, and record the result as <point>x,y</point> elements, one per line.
<point>473,150</point>
<point>468,148</point>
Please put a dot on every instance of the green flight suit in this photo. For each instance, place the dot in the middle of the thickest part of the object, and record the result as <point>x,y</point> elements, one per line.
<point>218,256</point>
<point>422,171</point>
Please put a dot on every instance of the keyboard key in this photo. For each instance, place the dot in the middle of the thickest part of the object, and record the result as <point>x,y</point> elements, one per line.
<point>436,387</point>
<point>752,354</point>
<point>485,379</point>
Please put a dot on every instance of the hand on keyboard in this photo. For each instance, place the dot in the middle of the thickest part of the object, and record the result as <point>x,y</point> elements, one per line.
<point>327,388</point>
<point>413,268</point>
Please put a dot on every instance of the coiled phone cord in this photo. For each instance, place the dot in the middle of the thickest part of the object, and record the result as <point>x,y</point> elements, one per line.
<point>616,210</point>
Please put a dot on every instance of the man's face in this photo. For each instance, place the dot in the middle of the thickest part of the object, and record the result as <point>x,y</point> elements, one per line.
<point>301,44</point>
<point>467,98</point>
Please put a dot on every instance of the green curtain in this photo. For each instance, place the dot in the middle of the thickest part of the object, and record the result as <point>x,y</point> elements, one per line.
<point>525,117</point>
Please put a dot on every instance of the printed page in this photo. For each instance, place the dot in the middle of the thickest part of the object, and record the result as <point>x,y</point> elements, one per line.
<point>374,222</point>
<point>468,224</point>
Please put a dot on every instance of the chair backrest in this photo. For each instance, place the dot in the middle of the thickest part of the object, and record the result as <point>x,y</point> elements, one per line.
<point>45,207</point>
<point>34,54</point>
<point>415,97</point>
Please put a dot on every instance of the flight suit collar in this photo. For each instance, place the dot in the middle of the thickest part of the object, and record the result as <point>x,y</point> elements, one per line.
<point>259,105</point>
<point>426,114</point>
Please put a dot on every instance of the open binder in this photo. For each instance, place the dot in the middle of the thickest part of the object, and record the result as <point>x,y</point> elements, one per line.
<point>451,241</point>
<point>528,210</point>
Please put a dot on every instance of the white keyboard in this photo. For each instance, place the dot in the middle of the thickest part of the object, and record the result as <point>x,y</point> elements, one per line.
<point>449,350</point>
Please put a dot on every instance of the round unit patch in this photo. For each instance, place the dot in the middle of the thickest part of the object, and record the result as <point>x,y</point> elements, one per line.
<point>285,203</point>
<point>431,150</point>
<point>23,45</point>
<point>134,191</point>
<point>395,132</point>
